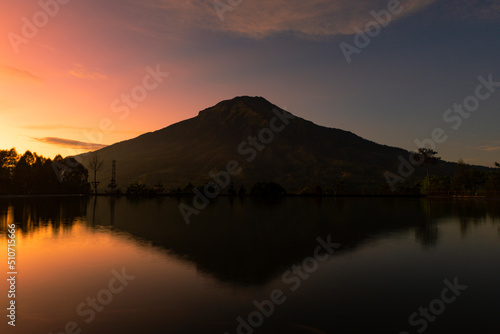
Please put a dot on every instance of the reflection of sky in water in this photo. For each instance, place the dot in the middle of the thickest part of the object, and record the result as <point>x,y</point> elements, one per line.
<point>200,278</point>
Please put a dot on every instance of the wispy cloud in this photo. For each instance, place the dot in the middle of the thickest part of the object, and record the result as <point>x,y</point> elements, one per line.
<point>488,148</point>
<point>82,73</point>
<point>12,72</point>
<point>260,18</point>
<point>68,143</point>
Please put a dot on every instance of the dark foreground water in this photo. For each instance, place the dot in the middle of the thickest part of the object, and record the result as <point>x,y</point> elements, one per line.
<point>299,265</point>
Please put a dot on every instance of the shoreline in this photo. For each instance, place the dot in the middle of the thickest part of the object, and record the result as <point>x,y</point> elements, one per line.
<point>258,196</point>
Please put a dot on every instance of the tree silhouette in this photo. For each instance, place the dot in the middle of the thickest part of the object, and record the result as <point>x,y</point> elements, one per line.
<point>267,189</point>
<point>8,161</point>
<point>22,177</point>
<point>493,183</point>
<point>31,174</point>
<point>75,180</point>
<point>95,165</point>
<point>467,179</point>
<point>242,191</point>
<point>159,188</point>
<point>230,191</point>
<point>137,188</point>
<point>428,158</point>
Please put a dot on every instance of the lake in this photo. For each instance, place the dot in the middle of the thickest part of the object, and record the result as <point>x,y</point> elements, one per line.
<point>250,265</point>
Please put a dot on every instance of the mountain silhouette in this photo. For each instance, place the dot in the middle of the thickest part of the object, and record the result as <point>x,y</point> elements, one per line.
<point>300,155</point>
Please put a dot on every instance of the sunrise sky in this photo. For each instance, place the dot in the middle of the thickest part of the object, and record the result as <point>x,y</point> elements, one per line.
<point>60,83</point>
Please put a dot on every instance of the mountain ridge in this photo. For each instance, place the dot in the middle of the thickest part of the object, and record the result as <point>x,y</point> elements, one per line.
<point>303,154</point>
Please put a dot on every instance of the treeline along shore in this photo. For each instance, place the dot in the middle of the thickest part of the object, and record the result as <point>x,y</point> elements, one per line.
<point>32,174</point>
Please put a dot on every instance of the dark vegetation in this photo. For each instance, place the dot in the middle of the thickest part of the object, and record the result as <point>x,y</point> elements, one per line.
<point>31,174</point>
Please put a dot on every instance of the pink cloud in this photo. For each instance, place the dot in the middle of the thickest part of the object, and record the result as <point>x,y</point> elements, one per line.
<point>260,18</point>
<point>68,143</point>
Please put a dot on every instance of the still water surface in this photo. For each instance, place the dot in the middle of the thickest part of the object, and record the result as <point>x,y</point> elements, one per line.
<point>393,258</point>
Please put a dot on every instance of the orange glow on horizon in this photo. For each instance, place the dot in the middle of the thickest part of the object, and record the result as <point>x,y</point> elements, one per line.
<point>61,84</point>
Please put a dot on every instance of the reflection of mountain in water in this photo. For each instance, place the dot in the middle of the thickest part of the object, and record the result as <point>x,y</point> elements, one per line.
<point>249,241</point>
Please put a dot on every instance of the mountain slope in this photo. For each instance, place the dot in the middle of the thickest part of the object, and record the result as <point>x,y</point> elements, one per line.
<point>302,155</point>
